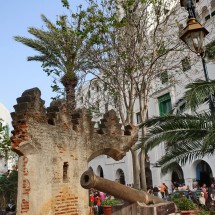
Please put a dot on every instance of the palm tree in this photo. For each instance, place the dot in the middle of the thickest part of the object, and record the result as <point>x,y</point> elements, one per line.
<point>186,136</point>
<point>61,51</point>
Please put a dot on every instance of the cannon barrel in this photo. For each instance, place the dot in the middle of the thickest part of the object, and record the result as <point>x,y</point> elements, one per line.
<point>90,180</point>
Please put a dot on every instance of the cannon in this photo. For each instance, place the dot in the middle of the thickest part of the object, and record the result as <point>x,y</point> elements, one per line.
<point>90,180</point>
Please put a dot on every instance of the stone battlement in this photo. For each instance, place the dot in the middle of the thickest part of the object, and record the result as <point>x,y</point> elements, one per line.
<point>54,149</point>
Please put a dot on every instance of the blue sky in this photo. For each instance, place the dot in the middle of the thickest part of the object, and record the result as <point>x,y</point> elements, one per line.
<point>16,73</point>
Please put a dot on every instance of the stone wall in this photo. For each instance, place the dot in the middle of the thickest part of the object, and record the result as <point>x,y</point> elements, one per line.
<point>54,150</point>
<point>141,209</point>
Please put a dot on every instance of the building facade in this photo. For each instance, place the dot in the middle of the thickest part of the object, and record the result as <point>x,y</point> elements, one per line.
<point>166,95</point>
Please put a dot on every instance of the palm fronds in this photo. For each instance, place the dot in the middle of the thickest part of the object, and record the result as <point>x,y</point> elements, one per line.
<point>198,92</point>
<point>176,129</point>
<point>186,137</point>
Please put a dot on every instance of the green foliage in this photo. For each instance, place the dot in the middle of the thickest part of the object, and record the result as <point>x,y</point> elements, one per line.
<point>8,188</point>
<point>5,146</point>
<point>65,3</point>
<point>110,202</point>
<point>203,212</point>
<point>197,93</point>
<point>5,143</point>
<point>60,46</point>
<point>182,202</point>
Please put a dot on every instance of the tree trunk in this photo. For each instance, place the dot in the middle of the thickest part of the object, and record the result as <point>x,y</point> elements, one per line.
<point>70,82</point>
<point>143,115</point>
<point>142,170</point>
<point>135,162</point>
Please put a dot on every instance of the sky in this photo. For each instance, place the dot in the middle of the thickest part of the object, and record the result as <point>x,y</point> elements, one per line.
<point>16,73</point>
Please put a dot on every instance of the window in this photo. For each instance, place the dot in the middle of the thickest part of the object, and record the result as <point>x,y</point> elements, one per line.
<point>97,88</point>
<point>166,10</point>
<point>213,13</point>
<point>186,64</point>
<point>88,93</point>
<point>81,99</point>
<point>164,77</point>
<point>7,129</point>
<point>207,17</point>
<point>65,171</point>
<point>138,118</point>
<point>165,105</point>
<point>97,106</point>
<point>106,107</point>
<point>115,101</point>
<point>105,86</point>
<point>182,108</point>
<point>180,28</point>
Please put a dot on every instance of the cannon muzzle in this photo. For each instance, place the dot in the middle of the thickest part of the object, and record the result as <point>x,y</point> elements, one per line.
<point>90,180</point>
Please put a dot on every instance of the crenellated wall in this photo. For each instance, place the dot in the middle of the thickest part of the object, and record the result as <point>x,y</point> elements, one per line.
<point>54,150</point>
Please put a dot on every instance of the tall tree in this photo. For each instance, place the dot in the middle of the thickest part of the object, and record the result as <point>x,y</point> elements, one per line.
<point>60,49</point>
<point>130,47</point>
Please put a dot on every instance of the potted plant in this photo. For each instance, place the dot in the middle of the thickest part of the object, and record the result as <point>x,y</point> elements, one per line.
<point>107,205</point>
<point>184,205</point>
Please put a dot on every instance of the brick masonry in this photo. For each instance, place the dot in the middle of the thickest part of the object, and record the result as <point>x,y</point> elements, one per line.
<point>54,149</point>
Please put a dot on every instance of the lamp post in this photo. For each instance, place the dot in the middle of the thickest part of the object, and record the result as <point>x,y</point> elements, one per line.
<point>193,36</point>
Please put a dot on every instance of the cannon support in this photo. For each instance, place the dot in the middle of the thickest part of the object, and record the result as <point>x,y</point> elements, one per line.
<point>90,180</point>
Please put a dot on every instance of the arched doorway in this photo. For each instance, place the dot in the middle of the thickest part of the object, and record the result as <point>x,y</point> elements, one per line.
<point>178,175</point>
<point>120,176</point>
<point>148,172</point>
<point>204,173</point>
<point>99,172</point>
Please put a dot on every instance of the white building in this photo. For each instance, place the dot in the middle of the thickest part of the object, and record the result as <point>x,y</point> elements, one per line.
<point>165,96</point>
<point>6,121</point>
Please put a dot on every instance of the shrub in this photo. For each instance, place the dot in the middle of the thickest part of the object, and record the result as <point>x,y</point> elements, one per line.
<point>183,203</point>
<point>203,212</point>
<point>110,202</point>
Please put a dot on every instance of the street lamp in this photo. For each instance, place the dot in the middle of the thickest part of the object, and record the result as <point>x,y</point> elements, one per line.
<point>193,36</point>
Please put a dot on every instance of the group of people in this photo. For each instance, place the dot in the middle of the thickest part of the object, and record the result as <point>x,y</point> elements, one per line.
<point>207,196</point>
<point>206,199</point>
<point>96,197</point>
<point>161,191</point>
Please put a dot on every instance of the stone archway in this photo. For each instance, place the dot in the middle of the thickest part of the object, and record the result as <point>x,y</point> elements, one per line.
<point>120,176</point>
<point>99,172</point>
<point>178,175</point>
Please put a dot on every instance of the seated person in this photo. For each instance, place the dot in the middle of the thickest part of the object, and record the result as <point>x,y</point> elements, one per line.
<point>202,200</point>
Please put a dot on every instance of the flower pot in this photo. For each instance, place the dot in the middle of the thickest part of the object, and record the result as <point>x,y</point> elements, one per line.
<point>190,212</point>
<point>107,209</point>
